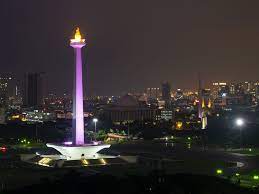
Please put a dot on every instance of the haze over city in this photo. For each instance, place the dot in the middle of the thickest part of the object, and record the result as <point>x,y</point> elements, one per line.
<point>132,97</point>
<point>132,44</point>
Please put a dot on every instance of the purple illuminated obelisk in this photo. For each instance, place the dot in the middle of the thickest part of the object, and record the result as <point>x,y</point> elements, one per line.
<point>78,150</point>
<point>78,112</point>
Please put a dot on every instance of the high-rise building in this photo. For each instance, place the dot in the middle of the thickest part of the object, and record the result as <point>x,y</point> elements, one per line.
<point>256,84</point>
<point>2,115</point>
<point>153,93</point>
<point>5,89</point>
<point>219,89</point>
<point>178,94</point>
<point>167,115</point>
<point>248,86</point>
<point>232,89</point>
<point>166,91</point>
<point>33,90</point>
<point>239,89</point>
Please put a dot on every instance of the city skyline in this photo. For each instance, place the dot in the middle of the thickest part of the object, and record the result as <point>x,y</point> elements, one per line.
<point>172,41</point>
<point>19,86</point>
<point>129,96</point>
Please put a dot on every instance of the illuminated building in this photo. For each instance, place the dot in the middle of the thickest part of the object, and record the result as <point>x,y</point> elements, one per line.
<point>257,90</point>
<point>38,116</point>
<point>219,89</point>
<point>209,103</point>
<point>167,115</point>
<point>179,94</point>
<point>33,90</point>
<point>206,104</point>
<point>239,89</point>
<point>206,98</point>
<point>153,93</point>
<point>203,103</point>
<point>4,89</point>
<point>204,122</point>
<point>166,92</point>
<point>202,113</point>
<point>232,89</point>
<point>248,86</point>
<point>129,109</point>
<point>78,149</point>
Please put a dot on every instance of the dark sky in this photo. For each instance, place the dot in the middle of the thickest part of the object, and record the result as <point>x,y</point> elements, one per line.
<point>132,44</point>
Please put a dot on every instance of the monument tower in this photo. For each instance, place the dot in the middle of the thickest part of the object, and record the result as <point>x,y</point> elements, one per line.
<point>78,149</point>
<point>78,111</point>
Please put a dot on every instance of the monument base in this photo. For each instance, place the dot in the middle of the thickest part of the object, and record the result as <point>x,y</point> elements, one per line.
<point>78,152</point>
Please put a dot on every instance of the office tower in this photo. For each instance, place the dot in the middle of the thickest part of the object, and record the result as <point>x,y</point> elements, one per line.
<point>178,94</point>
<point>219,89</point>
<point>248,87</point>
<point>33,89</point>
<point>166,91</point>
<point>153,93</point>
<point>232,89</point>
<point>5,89</point>
<point>256,84</point>
<point>239,89</point>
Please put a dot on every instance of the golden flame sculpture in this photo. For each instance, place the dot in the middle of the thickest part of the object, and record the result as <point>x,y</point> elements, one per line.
<point>78,34</point>
<point>77,37</point>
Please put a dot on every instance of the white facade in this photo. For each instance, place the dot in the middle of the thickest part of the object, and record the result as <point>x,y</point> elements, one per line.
<point>74,152</point>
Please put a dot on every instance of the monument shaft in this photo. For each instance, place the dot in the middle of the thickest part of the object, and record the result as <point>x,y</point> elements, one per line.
<point>78,97</point>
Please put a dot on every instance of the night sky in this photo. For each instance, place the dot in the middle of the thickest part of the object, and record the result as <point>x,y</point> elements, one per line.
<point>132,44</point>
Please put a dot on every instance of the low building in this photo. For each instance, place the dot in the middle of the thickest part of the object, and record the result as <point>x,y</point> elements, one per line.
<point>167,115</point>
<point>129,109</point>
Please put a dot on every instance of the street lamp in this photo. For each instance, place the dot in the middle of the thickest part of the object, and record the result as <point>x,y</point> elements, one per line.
<point>95,120</point>
<point>219,171</point>
<point>240,123</point>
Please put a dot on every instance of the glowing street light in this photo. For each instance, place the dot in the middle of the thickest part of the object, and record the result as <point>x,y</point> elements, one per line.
<point>219,171</point>
<point>240,123</point>
<point>95,120</point>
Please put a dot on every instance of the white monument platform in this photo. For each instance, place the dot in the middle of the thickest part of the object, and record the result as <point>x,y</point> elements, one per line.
<point>79,152</point>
